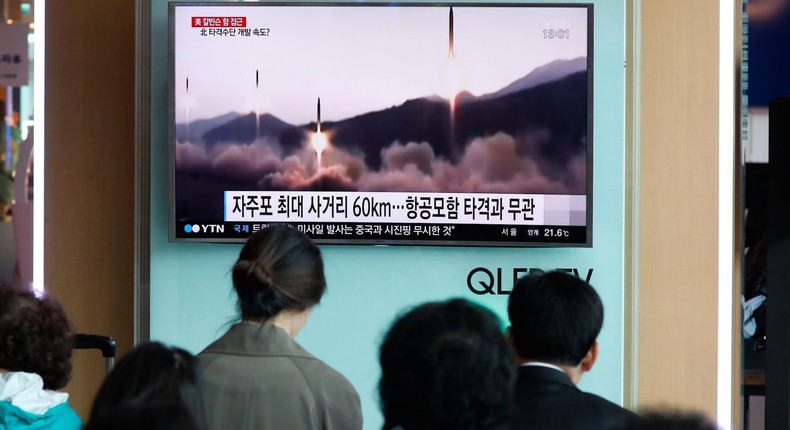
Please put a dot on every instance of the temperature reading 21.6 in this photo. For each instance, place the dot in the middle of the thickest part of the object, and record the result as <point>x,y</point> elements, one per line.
<point>556,232</point>
<point>556,33</point>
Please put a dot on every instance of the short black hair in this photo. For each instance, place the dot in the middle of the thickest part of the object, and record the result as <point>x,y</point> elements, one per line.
<point>152,373</point>
<point>555,317</point>
<point>446,365</point>
<point>149,415</point>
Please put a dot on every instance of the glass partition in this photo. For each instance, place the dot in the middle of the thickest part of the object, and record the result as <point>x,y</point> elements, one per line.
<point>17,35</point>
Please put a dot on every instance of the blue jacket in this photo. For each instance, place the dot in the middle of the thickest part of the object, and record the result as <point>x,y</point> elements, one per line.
<point>26,405</point>
<point>60,417</point>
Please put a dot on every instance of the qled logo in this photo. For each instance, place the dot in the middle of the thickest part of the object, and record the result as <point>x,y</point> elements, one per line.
<point>483,281</point>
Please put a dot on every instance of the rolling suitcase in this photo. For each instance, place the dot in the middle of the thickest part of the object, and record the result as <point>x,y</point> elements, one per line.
<point>105,344</point>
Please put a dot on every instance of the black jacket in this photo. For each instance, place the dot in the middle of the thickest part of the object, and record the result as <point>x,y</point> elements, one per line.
<point>547,399</point>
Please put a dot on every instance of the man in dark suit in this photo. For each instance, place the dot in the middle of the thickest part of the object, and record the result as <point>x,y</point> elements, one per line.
<point>555,319</point>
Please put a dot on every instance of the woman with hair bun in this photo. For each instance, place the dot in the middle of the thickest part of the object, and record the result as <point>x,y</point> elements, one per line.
<point>256,375</point>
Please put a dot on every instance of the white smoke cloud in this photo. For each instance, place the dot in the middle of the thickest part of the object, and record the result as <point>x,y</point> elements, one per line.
<point>495,164</point>
<point>190,157</point>
<point>300,170</point>
<point>231,159</point>
<point>246,161</point>
<point>419,155</point>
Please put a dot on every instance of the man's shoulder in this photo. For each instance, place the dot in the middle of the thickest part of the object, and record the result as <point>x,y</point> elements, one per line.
<point>547,405</point>
<point>538,378</point>
<point>606,406</point>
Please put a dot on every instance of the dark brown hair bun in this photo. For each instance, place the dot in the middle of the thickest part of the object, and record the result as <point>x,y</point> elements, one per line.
<point>278,268</point>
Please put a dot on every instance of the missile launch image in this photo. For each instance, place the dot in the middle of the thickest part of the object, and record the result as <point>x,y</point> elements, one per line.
<point>385,105</point>
<point>257,104</point>
<point>187,106</point>
<point>452,49</point>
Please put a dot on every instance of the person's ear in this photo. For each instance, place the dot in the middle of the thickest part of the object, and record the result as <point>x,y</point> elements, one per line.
<point>589,359</point>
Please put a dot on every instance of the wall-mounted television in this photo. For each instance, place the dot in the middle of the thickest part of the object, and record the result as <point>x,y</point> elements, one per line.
<point>382,123</point>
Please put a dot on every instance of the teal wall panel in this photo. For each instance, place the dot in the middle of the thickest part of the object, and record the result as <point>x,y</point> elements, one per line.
<point>191,299</point>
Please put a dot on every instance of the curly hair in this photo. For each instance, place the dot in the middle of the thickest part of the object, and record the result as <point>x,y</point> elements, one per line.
<point>35,336</point>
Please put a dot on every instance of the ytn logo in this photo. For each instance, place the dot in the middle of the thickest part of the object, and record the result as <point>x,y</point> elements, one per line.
<point>482,281</point>
<point>205,228</point>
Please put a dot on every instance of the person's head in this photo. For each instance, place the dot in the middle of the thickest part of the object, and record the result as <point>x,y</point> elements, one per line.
<point>446,365</point>
<point>555,317</point>
<point>148,416</point>
<point>152,374</point>
<point>279,268</point>
<point>670,420</point>
<point>35,336</point>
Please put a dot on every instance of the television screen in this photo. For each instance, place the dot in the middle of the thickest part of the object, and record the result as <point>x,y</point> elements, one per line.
<point>378,123</point>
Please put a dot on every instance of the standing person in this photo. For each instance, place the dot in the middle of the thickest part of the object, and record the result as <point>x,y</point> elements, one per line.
<point>446,366</point>
<point>555,320</point>
<point>36,342</point>
<point>256,375</point>
<point>152,387</point>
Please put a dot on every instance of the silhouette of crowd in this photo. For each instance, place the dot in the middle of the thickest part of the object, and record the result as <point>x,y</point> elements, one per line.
<point>445,365</point>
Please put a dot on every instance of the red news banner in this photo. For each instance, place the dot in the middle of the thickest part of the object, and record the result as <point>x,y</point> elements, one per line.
<point>219,21</point>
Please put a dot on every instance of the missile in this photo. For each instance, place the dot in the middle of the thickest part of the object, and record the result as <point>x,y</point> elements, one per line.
<point>318,115</point>
<point>256,79</point>
<point>187,84</point>
<point>451,54</point>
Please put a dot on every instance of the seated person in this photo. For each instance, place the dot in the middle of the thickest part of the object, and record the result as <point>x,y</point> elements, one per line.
<point>153,386</point>
<point>446,365</point>
<point>36,341</point>
<point>555,319</point>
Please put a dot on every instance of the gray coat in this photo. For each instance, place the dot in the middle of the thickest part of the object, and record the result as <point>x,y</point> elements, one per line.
<point>257,377</point>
